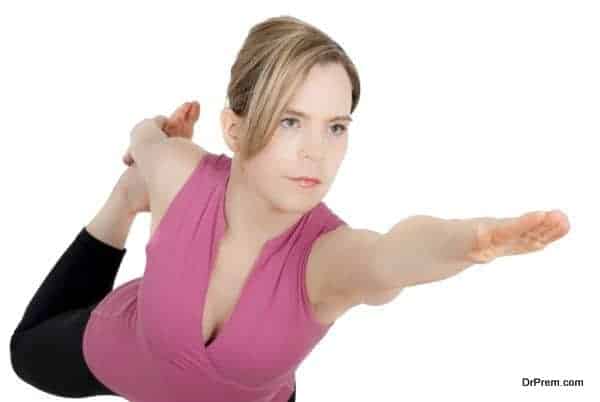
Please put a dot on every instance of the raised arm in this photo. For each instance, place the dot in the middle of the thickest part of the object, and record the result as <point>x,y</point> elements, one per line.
<point>164,165</point>
<point>165,156</point>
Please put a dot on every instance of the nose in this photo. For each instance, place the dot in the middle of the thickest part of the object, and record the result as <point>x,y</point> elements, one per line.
<point>313,146</point>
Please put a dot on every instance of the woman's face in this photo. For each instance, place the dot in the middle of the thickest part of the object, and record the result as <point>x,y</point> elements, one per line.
<point>312,144</point>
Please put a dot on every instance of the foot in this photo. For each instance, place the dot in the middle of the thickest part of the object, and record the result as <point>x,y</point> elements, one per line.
<point>181,122</point>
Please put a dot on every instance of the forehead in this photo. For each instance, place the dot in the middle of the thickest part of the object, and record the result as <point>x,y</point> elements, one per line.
<point>326,92</point>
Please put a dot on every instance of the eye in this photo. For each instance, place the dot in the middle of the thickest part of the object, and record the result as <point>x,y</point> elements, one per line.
<point>288,119</point>
<point>342,129</point>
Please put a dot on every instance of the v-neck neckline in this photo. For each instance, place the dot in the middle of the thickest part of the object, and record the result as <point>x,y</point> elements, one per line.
<point>268,245</point>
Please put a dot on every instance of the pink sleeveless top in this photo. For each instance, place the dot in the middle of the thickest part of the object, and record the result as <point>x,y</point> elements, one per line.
<point>144,339</point>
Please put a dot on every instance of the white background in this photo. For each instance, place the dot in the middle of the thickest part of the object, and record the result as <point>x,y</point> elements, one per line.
<point>468,108</point>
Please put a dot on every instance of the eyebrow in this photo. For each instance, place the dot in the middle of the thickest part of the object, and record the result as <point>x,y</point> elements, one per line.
<point>301,114</point>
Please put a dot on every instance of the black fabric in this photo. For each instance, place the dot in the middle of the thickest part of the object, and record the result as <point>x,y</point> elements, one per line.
<point>46,347</point>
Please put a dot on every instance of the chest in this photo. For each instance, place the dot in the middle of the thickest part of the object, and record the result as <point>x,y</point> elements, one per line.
<point>227,280</point>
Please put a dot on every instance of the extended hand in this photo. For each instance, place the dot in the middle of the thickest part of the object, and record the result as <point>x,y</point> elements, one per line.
<point>527,233</point>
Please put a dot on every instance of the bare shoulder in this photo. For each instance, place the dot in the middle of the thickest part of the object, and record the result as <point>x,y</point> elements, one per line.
<point>339,274</point>
<point>176,161</point>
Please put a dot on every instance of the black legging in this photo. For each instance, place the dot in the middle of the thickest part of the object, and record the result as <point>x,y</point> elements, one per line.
<point>46,347</point>
<point>51,330</point>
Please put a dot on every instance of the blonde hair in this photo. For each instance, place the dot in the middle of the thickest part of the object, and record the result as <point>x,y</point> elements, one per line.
<point>275,58</point>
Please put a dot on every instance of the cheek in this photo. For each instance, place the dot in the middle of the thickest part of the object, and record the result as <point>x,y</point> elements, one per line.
<point>275,162</point>
<point>266,175</point>
<point>283,145</point>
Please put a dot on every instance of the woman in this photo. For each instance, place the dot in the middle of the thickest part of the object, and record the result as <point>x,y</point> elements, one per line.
<point>247,269</point>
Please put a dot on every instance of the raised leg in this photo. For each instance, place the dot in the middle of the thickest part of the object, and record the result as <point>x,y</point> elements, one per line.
<point>46,347</point>
<point>113,221</point>
<point>86,271</point>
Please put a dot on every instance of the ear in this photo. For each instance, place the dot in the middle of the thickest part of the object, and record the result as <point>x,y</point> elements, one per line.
<point>230,124</point>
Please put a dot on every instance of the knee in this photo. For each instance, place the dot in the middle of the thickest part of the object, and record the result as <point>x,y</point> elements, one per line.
<point>31,363</point>
<point>18,357</point>
<point>22,361</point>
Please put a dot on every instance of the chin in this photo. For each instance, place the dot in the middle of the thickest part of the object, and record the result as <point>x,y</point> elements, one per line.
<point>296,204</point>
<point>294,199</point>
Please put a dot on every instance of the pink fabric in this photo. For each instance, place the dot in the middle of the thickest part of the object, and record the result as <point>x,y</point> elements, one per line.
<point>144,339</point>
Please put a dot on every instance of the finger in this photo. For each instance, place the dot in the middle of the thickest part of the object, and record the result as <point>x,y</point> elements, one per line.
<point>540,230</point>
<point>555,234</point>
<point>528,222</point>
<point>554,231</point>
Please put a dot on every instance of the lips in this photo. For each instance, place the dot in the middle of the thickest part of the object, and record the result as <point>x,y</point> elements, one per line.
<point>306,178</point>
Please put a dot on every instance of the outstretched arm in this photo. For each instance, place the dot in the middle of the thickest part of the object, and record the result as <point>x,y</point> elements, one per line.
<point>429,249</point>
<point>359,266</point>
